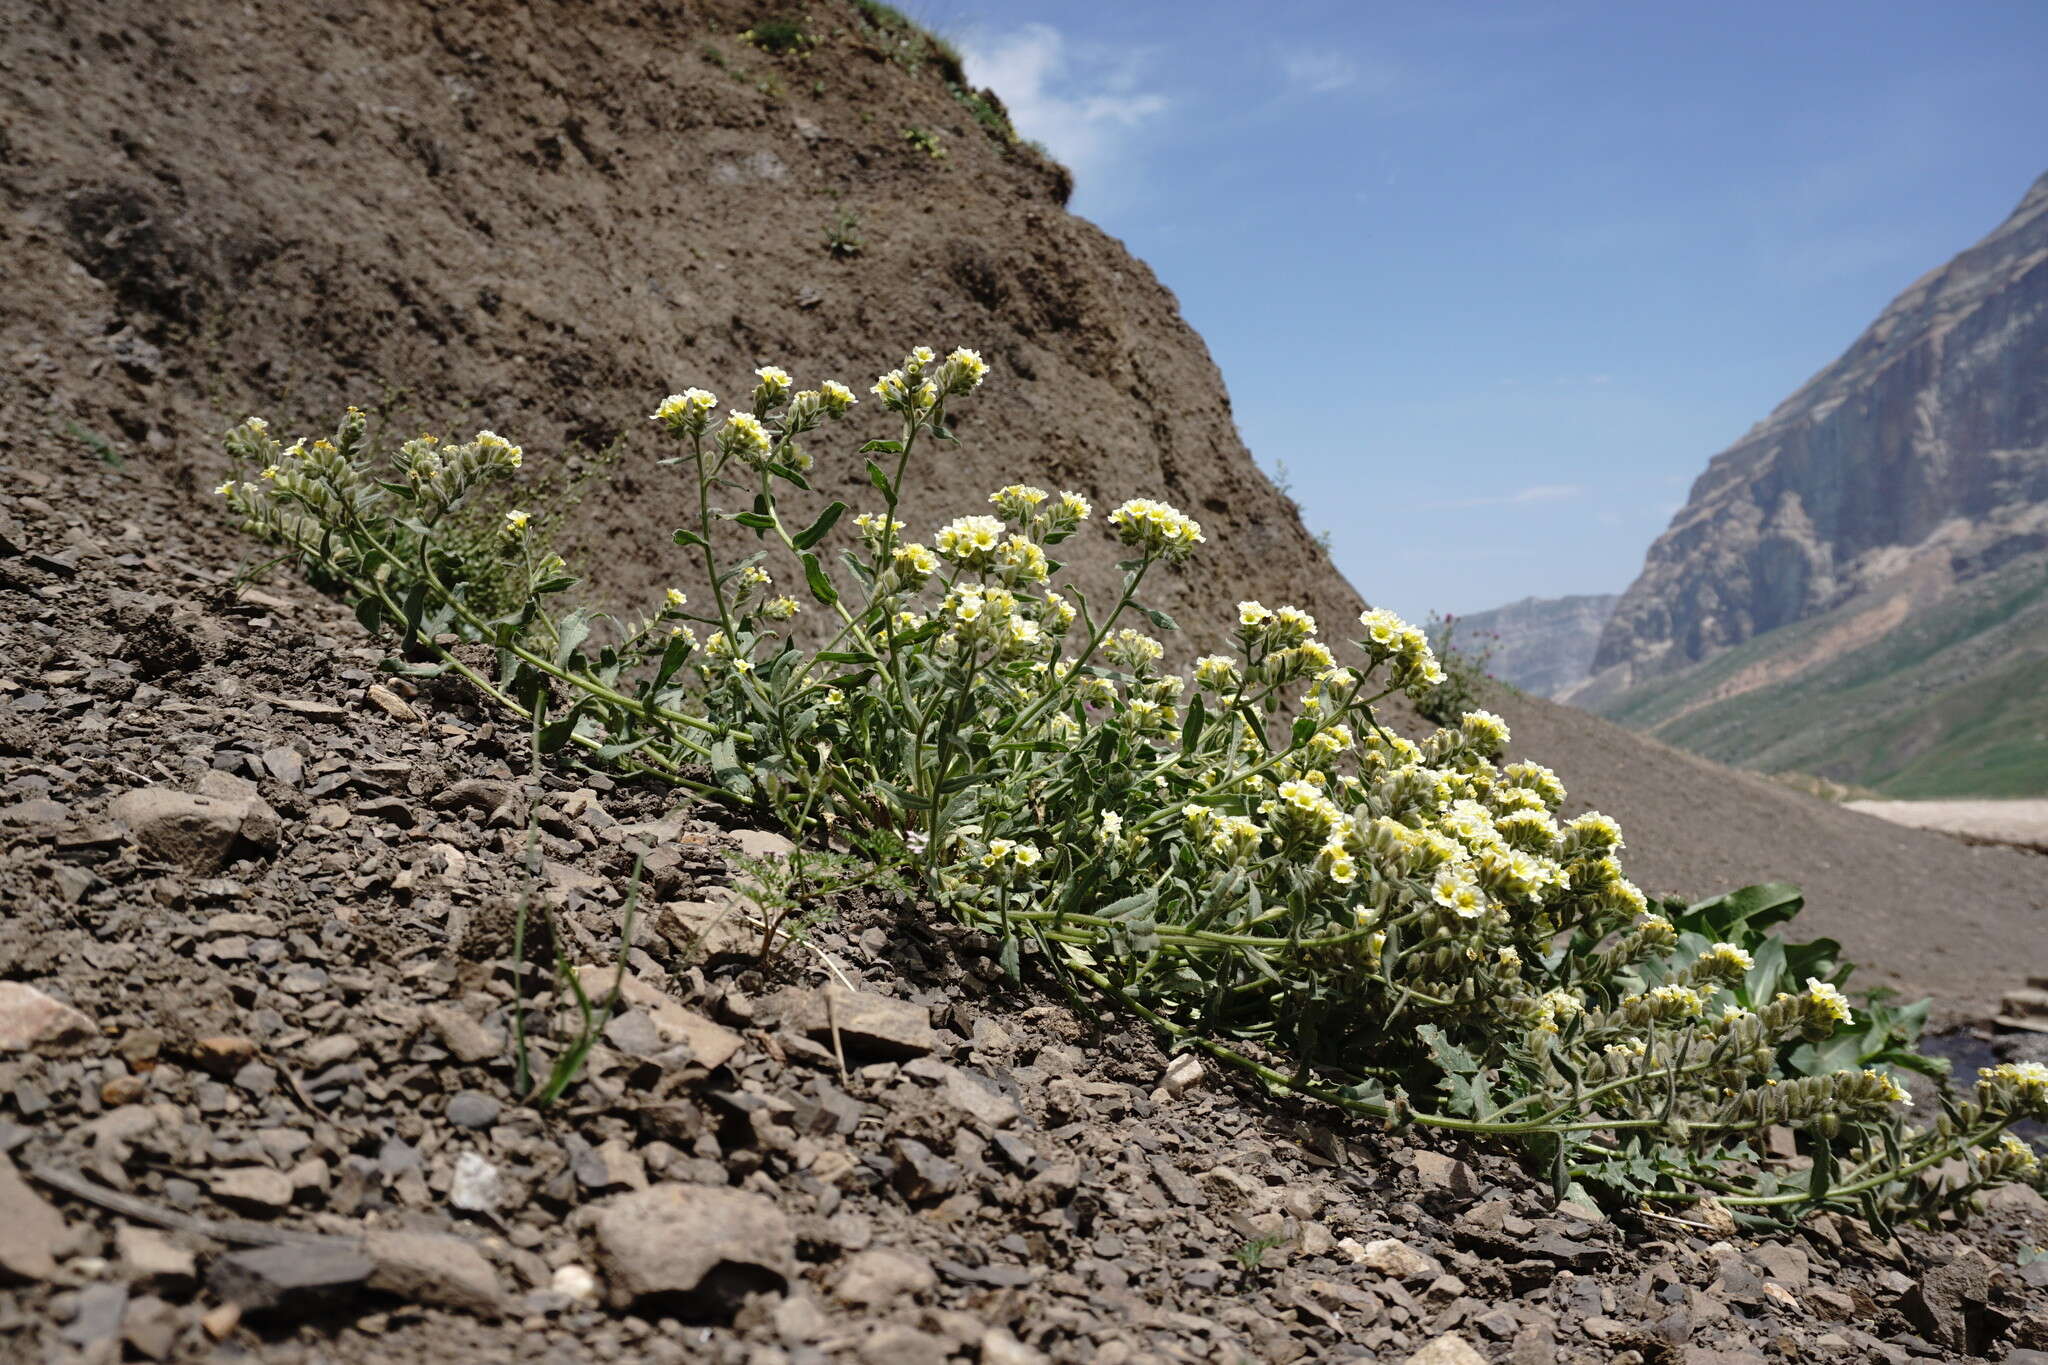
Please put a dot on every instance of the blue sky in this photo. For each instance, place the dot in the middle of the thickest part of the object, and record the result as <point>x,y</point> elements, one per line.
<point>1494,281</point>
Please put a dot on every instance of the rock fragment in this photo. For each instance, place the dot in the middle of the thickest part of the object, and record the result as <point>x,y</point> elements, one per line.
<point>200,831</point>
<point>1448,1349</point>
<point>30,1019</point>
<point>703,1247</point>
<point>32,1232</point>
<point>294,1277</point>
<point>869,1026</point>
<point>880,1276</point>
<point>428,1267</point>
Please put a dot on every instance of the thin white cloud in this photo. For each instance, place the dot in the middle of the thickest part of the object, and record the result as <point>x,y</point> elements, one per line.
<point>1330,72</point>
<point>1319,73</point>
<point>1540,492</point>
<point>1081,105</point>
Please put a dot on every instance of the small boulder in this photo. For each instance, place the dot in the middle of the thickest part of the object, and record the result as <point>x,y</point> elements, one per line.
<point>200,831</point>
<point>702,1248</point>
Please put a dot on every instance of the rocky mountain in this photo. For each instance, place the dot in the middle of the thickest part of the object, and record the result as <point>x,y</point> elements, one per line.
<point>1543,645</point>
<point>1917,460</point>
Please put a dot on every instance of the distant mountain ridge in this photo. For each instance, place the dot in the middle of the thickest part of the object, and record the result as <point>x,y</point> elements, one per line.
<point>1543,645</point>
<point>1854,588</point>
<point>1920,454</point>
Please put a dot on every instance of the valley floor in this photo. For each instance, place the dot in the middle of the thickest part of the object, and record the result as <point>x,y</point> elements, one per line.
<point>2019,822</point>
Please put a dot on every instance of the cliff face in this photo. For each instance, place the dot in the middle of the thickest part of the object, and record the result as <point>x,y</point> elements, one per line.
<point>1917,459</point>
<point>542,217</point>
<point>1540,644</point>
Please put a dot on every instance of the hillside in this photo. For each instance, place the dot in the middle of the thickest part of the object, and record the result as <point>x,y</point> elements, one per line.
<point>186,242</point>
<point>542,218</point>
<point>1543,645</point>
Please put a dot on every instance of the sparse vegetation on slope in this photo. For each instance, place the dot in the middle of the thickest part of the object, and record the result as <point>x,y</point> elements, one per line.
<point>1401,930</point>
<point>1950,702</point>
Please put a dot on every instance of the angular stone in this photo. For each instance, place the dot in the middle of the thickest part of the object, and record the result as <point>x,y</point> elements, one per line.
<point>1949,1304</point>
<point>1448,1349</point>
<point>1440,1172</point>
<point>880,1276</point>
<point>463,1036</point>
<point>870,1026</point>
<point>199,831</point>
<point>987,1107</point>
<point>391,704</point>
<point>476,1186</point>
<point>31,1019</point>
<point>152,1259</point>
<point>1397,1260</point>
<point>428,1267</point>
<point>252,1189</point>
<point>32,1232</point>
<point>703,1246</point>
<point>293,1276</point>
<point>711,1044</point>
<point>1000,1347</point>
<point>761,843</point>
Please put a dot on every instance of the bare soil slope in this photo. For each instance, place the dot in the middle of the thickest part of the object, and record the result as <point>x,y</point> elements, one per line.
<point>541,218</point>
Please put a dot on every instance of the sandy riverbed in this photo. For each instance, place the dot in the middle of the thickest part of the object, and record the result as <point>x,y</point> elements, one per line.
<point>2012,822</point>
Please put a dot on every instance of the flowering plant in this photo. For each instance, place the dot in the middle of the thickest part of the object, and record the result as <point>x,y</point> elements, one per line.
<point>1243,856</point>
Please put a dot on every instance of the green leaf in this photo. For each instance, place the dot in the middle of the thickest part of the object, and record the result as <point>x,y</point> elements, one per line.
<point>1448,1055</point>
<point>783,471</point>
<point>573,631</point>
<point>754,521</point>
<point>686,539</point>
<point>881,448</point>
<point>818,529</point>
<point>821,586</point>
<point>845,656</point>
<point>1191,728</point>
<point>1131,905</point>
<point>1757,907</point>
<point>881,480</point>
<point>370,613</point>
<point>557,733</point>
<point>1159,618</point>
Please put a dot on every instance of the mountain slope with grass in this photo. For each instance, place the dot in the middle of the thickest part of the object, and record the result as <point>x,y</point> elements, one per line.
<point>1853,588</point>
<point>1920,455</point>
<point>1950,699</point>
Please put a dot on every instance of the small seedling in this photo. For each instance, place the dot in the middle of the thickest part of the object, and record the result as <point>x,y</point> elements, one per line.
<point>1251,1257</point>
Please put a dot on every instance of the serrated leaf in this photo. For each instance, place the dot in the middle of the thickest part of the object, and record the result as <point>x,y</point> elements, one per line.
<point>1448,1055</point>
